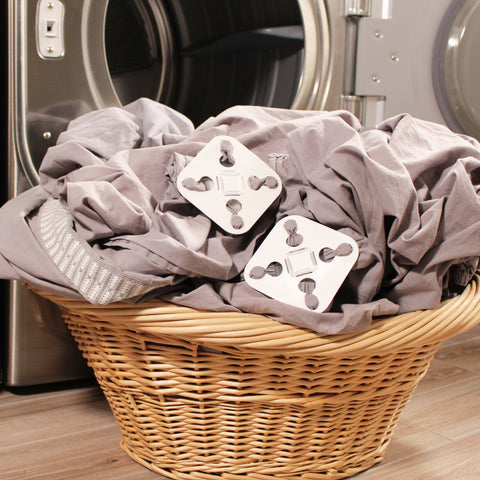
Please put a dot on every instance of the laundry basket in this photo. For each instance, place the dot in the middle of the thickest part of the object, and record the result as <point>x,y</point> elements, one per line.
<point>208,395</point>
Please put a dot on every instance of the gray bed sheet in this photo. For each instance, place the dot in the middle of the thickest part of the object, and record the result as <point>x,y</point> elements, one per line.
<point>107,222</point>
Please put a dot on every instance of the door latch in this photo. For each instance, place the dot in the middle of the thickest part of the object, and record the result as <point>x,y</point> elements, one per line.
<point>49,25</point>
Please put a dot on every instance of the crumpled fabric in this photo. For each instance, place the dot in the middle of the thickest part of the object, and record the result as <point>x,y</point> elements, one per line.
<point>406,192</point>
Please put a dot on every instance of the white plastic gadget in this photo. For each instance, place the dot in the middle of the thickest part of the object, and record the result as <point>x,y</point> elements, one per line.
<point>302,263</point>
<point>229,184</point>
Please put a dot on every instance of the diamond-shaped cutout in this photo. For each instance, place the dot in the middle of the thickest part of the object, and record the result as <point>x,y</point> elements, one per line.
<point>300,262</point>
<point>231,183</point>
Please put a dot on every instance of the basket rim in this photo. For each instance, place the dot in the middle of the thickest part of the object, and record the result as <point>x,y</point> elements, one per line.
<point>261,333</point>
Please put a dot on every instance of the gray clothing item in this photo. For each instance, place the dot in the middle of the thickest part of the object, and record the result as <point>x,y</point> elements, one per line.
<point>406,192</point>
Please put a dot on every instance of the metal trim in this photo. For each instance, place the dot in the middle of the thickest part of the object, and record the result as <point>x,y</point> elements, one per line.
<point>18,86</point>
<point>460,108</point>
<point>317,63</point>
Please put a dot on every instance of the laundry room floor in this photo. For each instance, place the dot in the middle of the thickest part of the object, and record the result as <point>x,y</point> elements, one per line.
<point>71,434</point>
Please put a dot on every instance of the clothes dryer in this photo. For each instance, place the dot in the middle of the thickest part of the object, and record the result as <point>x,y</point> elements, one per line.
<point>375,58</point>
<point>67,57</point>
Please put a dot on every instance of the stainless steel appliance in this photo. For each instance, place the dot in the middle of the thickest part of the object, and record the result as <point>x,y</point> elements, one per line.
<point>3,186</point>
<point>66,57</point>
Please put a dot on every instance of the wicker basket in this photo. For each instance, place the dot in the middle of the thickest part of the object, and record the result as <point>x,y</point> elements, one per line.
<point>202,395</point>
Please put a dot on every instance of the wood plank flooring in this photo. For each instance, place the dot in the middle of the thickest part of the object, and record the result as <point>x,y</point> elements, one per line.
<point>70,434</point>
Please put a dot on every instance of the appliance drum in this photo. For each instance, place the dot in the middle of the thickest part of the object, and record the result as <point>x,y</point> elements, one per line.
<point>201,57</point>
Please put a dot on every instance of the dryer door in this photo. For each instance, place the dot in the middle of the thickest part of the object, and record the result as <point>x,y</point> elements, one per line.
<point>59,68</point>
<point>458,69</point>
<point>198,56</point>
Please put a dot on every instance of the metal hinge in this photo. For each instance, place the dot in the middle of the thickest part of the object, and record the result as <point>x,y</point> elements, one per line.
<point>370,110</point>
<point>368,8</point>
<point>357,8</point>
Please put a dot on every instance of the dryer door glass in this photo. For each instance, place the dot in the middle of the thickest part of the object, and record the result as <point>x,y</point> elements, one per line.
<point>138,46</point>
<point>459,68</point>
<point>202,56</point>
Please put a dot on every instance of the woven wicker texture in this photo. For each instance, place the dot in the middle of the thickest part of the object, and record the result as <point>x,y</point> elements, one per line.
<point>204,395</point>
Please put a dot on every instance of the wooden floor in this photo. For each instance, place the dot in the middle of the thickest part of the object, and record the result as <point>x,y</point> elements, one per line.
<point>71,435</point>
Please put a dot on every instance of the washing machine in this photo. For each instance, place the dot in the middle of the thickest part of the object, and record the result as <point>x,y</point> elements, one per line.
<point>375,58</point>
